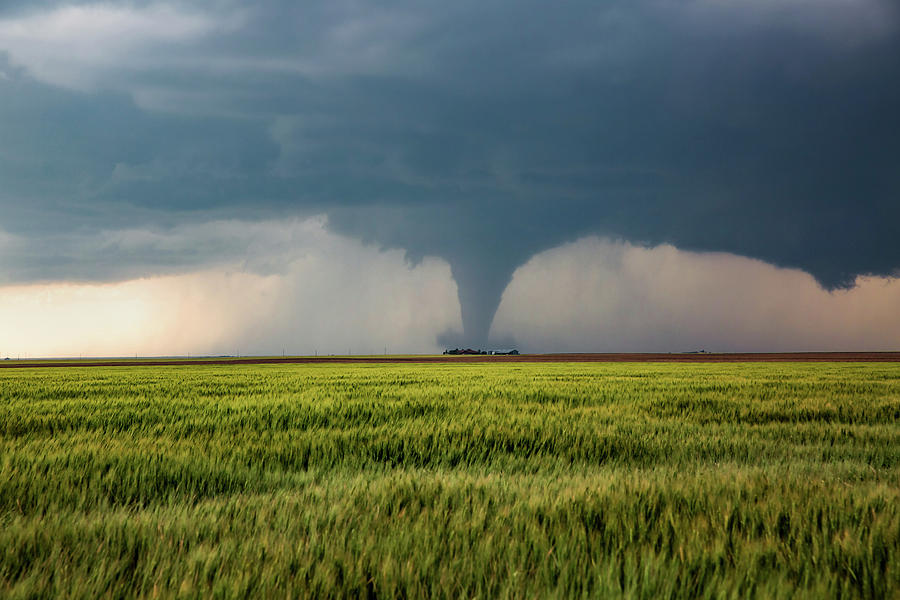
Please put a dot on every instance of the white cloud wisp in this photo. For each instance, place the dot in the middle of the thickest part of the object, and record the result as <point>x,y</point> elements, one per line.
<point>73,46</point>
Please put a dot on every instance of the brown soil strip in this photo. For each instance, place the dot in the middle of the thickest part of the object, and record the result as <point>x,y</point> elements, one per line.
<point>526,358</point>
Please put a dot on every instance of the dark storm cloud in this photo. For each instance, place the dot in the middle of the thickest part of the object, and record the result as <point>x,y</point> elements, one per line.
<point>480,133</point>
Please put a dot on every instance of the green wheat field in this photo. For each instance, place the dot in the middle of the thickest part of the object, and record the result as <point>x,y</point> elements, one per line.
<point>452,481</point>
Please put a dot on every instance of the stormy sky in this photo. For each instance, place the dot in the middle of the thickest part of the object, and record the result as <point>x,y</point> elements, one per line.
<point>619,175</point>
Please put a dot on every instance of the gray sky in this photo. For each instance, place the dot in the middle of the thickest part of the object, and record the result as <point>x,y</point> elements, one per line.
<point>480,134</point>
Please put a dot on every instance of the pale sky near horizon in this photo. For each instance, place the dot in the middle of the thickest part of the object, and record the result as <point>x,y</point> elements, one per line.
<point>212,177</point>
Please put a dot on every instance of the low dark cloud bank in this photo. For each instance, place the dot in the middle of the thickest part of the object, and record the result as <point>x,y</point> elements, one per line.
<point>483,134</point>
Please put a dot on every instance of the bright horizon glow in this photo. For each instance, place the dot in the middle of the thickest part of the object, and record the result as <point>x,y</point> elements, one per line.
<point>327,294</point>
<point>306,291</point>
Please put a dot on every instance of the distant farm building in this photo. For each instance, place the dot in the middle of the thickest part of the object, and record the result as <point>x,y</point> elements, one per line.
<point>470,351</point>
